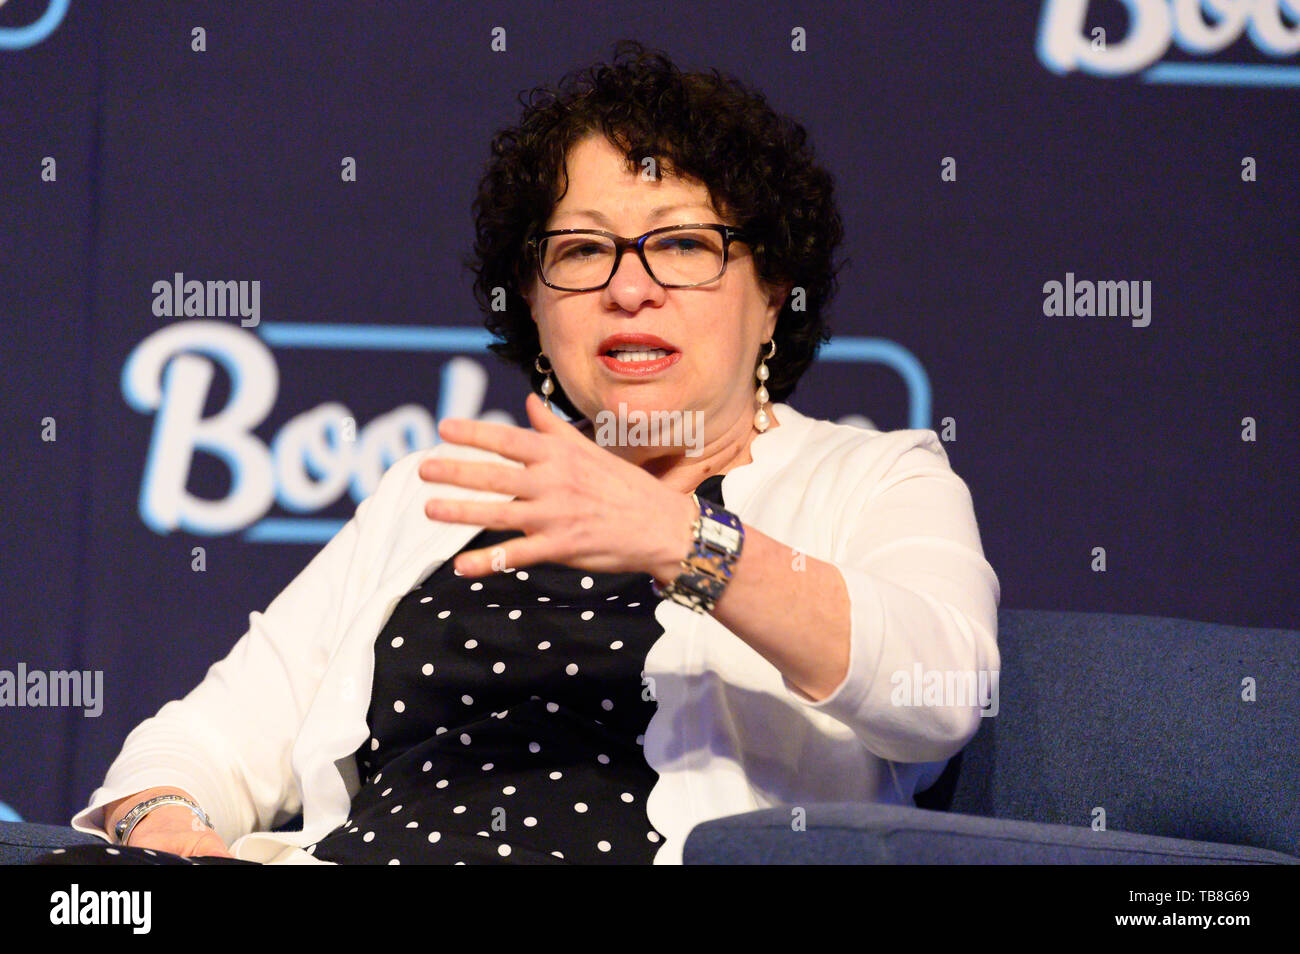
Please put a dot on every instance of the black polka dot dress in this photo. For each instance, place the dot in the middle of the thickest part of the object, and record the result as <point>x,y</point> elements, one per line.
<point>507,720</point>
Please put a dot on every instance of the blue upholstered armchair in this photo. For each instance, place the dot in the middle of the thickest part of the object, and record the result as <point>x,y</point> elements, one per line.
<point>1119,739</point>
<point>1140,724</point>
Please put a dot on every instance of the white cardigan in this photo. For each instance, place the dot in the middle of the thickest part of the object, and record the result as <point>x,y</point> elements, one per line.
<point>272,729</point>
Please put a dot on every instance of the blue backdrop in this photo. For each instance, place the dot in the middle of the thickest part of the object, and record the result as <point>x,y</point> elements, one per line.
<point>981,153</point>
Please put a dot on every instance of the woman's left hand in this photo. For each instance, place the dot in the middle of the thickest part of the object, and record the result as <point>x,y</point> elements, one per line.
<point>577,503</point>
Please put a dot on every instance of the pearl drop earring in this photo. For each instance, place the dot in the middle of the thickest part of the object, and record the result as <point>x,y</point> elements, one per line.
<point>548,386</point>
<point>760,419</point>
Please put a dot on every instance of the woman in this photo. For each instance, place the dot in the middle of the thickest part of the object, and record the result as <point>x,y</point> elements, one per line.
<point>571,643</point>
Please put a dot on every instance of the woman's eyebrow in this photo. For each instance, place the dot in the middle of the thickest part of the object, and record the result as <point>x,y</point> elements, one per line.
<point>655,213</point>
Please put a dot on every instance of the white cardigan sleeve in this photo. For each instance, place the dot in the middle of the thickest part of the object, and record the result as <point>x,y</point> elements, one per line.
<point>228,742</point>
<point>920,593</point>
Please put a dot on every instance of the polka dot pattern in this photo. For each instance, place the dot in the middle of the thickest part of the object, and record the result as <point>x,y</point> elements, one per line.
<point>507,721</point>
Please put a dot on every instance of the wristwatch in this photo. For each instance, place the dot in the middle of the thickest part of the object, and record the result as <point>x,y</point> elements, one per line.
<point>718,538</point>
<point>122,830</point>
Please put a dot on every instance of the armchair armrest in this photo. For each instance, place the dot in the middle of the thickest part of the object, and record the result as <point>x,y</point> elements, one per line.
<point>23,842</point>
<point>867,833</point>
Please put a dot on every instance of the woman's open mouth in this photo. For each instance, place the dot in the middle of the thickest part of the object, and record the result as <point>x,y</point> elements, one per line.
<point>638,360</point>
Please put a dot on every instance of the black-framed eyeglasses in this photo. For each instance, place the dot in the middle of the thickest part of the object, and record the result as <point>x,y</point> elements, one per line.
<point>675,256</point>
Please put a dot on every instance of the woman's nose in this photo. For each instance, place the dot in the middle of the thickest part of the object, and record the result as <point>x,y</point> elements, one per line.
<point>631,281</point>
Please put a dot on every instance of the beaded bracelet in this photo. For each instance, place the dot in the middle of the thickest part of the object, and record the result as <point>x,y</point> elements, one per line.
<point>718,537</point>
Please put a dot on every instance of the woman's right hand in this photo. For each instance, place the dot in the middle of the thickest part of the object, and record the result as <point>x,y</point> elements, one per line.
<point>171,828</point>
<point>176,829</point>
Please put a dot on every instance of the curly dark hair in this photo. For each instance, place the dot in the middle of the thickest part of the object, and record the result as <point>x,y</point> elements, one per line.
<point>707,127</point>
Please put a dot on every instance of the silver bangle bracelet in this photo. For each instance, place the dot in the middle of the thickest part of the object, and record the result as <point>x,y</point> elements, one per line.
<point>127,824</point>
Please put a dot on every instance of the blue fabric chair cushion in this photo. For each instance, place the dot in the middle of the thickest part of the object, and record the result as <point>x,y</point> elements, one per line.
<point>1143,717</point>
